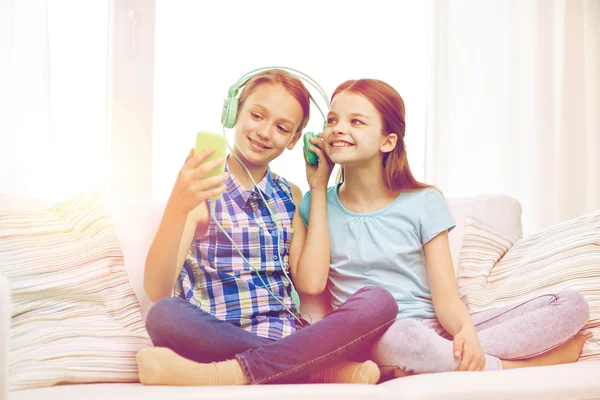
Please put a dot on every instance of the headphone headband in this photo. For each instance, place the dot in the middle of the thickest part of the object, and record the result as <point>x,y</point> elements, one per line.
<point>230,106</point>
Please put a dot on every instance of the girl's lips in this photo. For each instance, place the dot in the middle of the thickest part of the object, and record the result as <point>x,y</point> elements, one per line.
<point>258,145</point>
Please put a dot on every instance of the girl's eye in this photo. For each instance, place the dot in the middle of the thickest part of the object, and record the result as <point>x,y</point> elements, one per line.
<point>255,115</point>
<point>356,122</point>
<point>282,129</point>
<point>330,120</point>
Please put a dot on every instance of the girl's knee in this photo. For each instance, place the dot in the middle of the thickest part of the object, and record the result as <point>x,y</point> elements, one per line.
<point>157,319</point>
<point>380,299</point>
<point>402,335</point>
<point>404,341</point>
<point>578,306</point>
<point>406,330</point>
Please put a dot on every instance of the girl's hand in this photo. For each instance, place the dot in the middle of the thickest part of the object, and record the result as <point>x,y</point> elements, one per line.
<point>318,175</point>
<point>191,187</point>
<point>468,349</point>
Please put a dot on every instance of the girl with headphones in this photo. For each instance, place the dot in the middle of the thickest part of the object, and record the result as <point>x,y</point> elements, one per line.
<point>234,315</point>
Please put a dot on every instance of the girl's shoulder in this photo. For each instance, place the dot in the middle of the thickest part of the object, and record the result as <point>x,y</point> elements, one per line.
<point>331,193</point>
<point>425,196</point>
<point>426,191</point>
<point>305,203</point>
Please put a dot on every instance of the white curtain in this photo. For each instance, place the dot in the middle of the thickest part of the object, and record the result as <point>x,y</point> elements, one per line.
<point>52,96</point>
<point>514,104</point>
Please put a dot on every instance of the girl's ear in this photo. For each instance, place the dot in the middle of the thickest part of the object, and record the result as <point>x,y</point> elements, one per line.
<point>294,140</point>
<point>389,143</point>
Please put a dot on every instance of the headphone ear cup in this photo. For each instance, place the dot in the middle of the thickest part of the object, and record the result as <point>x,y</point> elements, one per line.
<point>229,113</point>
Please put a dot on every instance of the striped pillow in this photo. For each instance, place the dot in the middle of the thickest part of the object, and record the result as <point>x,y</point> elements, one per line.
<point>495,270</point>
<point>75,317</point>
<point>481,249</point>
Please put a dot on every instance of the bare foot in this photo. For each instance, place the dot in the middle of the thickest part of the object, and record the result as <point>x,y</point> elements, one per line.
<point>366,373</point>
<point>152,365</point>
<point>567,352</point>
<point>162,366</point>
<point>148,366</point>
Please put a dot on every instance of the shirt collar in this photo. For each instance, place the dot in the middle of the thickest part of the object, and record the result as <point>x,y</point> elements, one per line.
<point>237,191</point>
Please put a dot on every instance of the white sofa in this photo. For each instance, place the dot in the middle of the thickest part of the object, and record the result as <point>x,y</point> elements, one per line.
<point>136,224</point>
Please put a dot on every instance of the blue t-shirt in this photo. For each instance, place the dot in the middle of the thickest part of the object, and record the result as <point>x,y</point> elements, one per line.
<point>385,248</point>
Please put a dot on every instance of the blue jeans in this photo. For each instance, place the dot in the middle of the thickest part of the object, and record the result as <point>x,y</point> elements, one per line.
<point>347,333</point>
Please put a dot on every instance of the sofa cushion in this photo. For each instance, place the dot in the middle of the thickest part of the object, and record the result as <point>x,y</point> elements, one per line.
<point>496,210</point>
<point>74,315</point>
<point>566,255</point>
<point>568,381</point>
<point>136,224</point>
<point>259,392</point>
<point>483,246</point>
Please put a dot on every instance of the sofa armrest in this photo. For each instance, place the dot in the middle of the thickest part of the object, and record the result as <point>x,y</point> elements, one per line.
<point>5,321</point>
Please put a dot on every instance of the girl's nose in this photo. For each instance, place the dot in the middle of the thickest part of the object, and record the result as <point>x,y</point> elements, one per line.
<point>263,132</point>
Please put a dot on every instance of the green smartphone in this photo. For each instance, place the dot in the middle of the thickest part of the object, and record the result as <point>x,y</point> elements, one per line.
<point>205,140</point>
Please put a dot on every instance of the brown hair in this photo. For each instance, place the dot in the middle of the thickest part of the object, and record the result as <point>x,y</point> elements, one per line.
<point>389,104</point>
<point>291,83</point>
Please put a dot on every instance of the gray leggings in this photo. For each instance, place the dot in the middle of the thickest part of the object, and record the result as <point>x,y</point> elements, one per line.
<point>515,332</point>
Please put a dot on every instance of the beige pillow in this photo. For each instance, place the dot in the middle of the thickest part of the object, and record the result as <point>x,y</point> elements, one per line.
<point>75,317</point>
<point>495,270</point>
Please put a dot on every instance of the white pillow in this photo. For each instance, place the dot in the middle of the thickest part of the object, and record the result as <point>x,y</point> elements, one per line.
<point>494,273</point>
<point>75,317</point>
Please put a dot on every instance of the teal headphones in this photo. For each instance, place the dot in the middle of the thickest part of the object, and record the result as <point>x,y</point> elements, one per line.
<point>228,117</point>
<point>230,106</point>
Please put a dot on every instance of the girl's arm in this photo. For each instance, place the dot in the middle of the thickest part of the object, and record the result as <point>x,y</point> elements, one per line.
<point>449,308</point>
<point>169,249</point>
<point>309,250</point>
<point>185,209</point>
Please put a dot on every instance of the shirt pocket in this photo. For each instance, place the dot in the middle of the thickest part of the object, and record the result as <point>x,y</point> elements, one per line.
<point>226,257</point>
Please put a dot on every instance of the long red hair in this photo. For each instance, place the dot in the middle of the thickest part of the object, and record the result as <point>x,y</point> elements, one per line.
<point>291,83</point>
<point>396,171</point>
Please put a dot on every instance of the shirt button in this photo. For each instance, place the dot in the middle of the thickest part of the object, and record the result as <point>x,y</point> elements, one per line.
<point>275,258</point>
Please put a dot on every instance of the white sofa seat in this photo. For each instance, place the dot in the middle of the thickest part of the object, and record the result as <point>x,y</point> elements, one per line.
<point>570,381</point>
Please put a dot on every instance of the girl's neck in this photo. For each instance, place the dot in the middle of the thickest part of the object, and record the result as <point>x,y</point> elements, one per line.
<point>239,172</point>
<point>364,190</point>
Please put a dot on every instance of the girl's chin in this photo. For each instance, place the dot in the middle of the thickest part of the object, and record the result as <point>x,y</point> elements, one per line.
<point>340,159</point>
<point>249,156</point>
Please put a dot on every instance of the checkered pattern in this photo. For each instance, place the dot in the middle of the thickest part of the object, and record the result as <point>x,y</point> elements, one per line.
<point>215,277</point>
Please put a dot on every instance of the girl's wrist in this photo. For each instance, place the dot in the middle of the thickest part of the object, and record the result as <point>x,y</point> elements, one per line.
<point>174,210</point>
<point>317,190</point>
<point>468,328</point>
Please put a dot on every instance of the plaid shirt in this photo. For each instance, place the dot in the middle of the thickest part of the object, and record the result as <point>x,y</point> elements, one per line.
<point>215,277</point>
